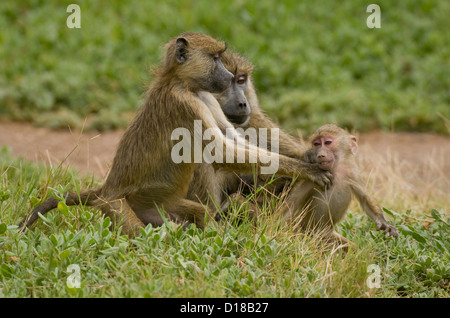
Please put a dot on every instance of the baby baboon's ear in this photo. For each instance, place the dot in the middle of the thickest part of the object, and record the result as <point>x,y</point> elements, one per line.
<point>353,145</point>
<point>181,50</point>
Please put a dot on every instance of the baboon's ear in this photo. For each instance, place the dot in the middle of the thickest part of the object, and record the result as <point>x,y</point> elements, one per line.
<point>181,50</point>
<point>353,145</point>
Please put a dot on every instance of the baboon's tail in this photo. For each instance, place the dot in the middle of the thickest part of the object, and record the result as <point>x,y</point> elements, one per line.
<point>72,198</point>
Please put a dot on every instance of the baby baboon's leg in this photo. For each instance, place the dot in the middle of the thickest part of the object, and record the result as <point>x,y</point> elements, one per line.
<point>336,239</point>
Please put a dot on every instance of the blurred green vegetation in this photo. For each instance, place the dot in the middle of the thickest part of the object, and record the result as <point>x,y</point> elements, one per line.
<point>316,62</point>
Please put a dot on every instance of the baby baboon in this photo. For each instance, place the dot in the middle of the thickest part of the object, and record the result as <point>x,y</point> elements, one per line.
<point>144,176</point>
<point>315,209</point>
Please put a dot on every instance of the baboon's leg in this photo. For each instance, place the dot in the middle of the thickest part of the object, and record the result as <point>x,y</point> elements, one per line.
<point>122,214</point>
<point>207,186</point>
<point>183,212</point>
<point>190,212</point>
<point>337,239</point>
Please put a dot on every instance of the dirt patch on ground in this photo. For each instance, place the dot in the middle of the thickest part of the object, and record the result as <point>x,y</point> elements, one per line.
<point>88,152</point>
<point>92,152</point>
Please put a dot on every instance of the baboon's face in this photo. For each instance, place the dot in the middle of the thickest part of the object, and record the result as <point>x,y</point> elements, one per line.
<point>233,101</point>
<point>331,144</point>
<point>325,151</point>
<point>199,62</point>
<point>220,78</point>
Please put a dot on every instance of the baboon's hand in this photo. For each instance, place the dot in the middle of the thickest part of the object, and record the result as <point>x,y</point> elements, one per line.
<point>383,225</point>
<point>309,156</point>
<point>323,178</point>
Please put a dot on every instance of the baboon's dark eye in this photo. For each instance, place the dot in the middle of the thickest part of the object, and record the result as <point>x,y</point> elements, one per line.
<point>328,141</point>
<point>216,56</point>
<point>241,79</point>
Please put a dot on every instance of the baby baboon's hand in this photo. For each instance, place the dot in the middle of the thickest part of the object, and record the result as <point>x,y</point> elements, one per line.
<point>388,228</point>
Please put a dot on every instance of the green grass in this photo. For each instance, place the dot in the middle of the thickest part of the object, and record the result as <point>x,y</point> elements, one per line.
<point>226,260</point>
<point>315,63</point>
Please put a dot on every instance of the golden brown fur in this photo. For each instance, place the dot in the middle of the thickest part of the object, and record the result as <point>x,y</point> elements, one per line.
<point>144,178</point>
<point>210,186</point>
<point>316,209</point>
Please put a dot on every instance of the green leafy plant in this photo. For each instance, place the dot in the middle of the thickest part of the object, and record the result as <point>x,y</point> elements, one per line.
<point>237,258</point>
